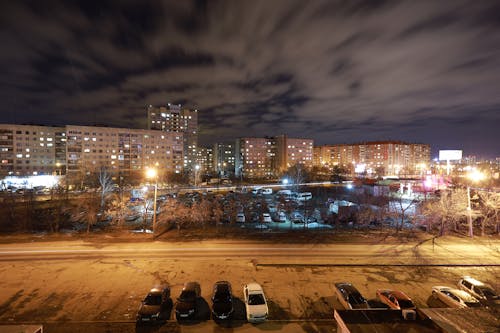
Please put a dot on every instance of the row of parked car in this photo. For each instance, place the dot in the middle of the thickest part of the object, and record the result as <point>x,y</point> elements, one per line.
<point>469,293</point>
<point>154,307</point>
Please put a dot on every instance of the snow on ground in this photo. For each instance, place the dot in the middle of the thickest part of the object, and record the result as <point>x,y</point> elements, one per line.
<point>110,289</point>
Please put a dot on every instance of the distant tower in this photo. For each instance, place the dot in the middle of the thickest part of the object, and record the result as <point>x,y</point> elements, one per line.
<point>173,118</point>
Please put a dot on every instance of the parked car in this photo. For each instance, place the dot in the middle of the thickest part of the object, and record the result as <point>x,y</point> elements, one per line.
<point>255,303</point>
<point>349,296</point>
<point>240,218</point>
<point>186,302</point>
<point>154,305</point>
<point>398,300</point>
<point>303,196</point>
<point>222,300</point>
<point>479,290</point>
<point>267,191</point>
<point>266,218</point>
<point>296,217</point>
<point>454,298</point>
<point>395,299</point>
<point>282,217</point>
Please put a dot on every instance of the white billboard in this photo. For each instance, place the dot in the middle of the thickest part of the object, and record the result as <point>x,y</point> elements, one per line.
<point>450,155</point>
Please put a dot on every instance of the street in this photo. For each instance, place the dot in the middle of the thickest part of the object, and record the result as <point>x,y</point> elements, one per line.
<point>99,286</point>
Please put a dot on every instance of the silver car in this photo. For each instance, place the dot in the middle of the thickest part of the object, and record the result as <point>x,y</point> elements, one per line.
<point>454,298</point>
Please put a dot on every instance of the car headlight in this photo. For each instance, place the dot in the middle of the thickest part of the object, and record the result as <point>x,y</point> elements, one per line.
<point>156,315</point>
<point>191,311</point>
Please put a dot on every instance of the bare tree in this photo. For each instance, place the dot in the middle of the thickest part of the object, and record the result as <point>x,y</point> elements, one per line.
<point>449,209</point>
<point>106,183</point>
<point>297,175</point>
<point>490,211</point>
<point>86,210</point>
<point>400,206</point>
<point>118,210</point>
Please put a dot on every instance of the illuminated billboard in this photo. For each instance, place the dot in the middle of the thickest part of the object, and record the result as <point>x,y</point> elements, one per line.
<point>450,155</point>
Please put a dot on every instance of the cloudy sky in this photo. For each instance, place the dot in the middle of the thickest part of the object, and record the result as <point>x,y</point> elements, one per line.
<point>334,71</point>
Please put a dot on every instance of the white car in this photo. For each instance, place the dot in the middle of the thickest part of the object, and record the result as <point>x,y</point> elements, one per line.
<point>478,289</point>
<point>240,218</point>
<point>255,303</point>
<point>454,298</point>
<point>266,218</point>
<point>282,216</point>
<point>267,191</point>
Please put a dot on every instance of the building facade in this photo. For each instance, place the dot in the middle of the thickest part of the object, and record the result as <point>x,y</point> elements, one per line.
<point>293,151</point>
<point>224,159</point>
<point>270,157</point>
<point>28,150</point>
<point>379,157</point>
<point>175,119</point>
<point>32,150</point>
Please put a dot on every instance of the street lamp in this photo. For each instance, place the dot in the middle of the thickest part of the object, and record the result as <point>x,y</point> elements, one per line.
<point>152,173</point>
<point>474,176</point>
<point>196,169</point>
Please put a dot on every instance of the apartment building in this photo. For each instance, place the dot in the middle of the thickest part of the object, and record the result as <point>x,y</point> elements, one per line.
<point>173,118</point>
<point>256,157</point>
<point>31,149</point>
<point>378,157</point>
<point>270,157</point>
<point>28,150</point>
<point>224,158</point>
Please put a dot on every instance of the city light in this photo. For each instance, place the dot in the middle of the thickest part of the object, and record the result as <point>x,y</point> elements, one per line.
<point>152,173</point>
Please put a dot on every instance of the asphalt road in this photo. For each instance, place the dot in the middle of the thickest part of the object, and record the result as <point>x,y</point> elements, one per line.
<point>427,253</point>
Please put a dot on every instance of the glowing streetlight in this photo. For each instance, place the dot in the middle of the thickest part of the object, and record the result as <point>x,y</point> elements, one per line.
<point>475,176</point>
<point>196,169</point>
<point>152,173</point>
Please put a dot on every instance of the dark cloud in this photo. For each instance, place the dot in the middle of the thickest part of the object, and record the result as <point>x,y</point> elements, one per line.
<point>335,71</point>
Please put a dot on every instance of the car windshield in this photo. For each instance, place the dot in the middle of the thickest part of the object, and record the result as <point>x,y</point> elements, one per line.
<point>256,299</point>
<point>473,304</point>
<point>356,299</point>
<point>187,295</point>
<point>153,300</point>
<point>488,293</point>
<point>405,304</point>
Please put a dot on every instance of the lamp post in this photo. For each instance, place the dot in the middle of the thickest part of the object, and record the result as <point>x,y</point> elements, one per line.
<point>474,176</point>
<point>196,169</point>
<point>152,173</point>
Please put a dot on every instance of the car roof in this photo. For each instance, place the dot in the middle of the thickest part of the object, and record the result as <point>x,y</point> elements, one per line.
<point>252,286</point>
<point>158,289</point>
<point>473,281</point>
<point>346,285</point>
<point>190,285</point>
<point>399,294</point>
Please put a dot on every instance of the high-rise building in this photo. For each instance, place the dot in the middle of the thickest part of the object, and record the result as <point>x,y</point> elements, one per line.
<point>205,159</point>
<point>224,158</point>
<point>174,118</point>
<point>270,157</point>
<point>292,151</point>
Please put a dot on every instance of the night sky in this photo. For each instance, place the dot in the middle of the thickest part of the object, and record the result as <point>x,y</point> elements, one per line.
<point>334,71</point>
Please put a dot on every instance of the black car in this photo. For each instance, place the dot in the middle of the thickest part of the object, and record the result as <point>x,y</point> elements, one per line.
<point>222,300</point>
<point>153,307</point>
<point>185,307</point>
<point>349,296</point>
